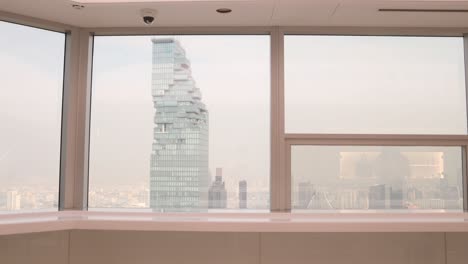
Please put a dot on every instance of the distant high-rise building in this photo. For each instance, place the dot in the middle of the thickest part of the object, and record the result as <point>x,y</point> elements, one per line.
<point>305,192</point>
<point>243,195</point>
<point>392,169</point>
<point>452,168</point>
<point>430,204</point>
<point>451,195</point>
<point>362,201</point>
<point>379,196</point>
<point>3,200</point>
<point>217,196</point>
<point>321,201</point>
<point>414,194</point>
<point>13,200</point>
<point>179,159</point>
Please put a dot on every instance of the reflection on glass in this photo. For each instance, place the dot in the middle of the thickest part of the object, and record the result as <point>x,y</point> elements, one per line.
<point>181,125</point>
<point>31,70</point>
<point>376,178</point>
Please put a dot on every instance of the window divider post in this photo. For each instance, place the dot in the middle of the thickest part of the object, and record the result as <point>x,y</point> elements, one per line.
<point>280,182</point>
<point>75,121</point>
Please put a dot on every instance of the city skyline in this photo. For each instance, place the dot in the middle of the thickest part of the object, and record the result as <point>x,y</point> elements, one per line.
<point>122,113</point>
<point>376,178</point>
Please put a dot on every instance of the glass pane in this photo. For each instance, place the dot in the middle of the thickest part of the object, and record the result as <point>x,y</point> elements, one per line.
<point>31,66</point>
<point>376,178</point>
<point>180,124</point>
<point>375,85</point>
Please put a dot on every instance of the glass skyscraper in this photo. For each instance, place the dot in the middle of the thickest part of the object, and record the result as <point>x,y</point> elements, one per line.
<point>179,159</point>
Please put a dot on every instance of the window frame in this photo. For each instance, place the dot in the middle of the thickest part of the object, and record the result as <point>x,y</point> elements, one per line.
<point>281,142</point>
<point>290,139</point>
<point>77,92</point>
<point>194,31</point>
<point>378,140</point>
<point>68,74</point>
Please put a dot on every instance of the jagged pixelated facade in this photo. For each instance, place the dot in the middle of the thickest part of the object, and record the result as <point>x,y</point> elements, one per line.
<point>179,160</point>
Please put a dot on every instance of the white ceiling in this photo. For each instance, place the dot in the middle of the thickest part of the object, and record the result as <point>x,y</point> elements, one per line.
<point>245,13</point>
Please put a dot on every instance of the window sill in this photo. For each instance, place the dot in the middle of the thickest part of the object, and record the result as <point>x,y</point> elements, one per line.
<point>251,222</point>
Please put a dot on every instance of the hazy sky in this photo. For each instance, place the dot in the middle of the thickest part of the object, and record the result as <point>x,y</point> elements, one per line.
<point>31,81</point>
<point>365,85</point>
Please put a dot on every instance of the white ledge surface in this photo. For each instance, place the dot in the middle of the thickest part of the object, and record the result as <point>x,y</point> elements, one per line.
<point>229,222</point>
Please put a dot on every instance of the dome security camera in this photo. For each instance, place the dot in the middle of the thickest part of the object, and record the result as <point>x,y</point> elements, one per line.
<point>148,16</point>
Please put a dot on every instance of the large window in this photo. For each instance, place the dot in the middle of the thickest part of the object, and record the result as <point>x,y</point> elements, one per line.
<point>180,123</point>
<point>410,88</point>
<point>31,66</point>
<point>375,85</point>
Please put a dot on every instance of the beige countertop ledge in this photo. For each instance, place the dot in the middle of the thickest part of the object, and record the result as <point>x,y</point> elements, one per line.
<point>21,223</point>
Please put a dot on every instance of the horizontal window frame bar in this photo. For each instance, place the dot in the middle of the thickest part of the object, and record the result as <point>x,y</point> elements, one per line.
<point>295,30</point>
<point>376,140</point>
<point>139,31</point>
<point>376,31</point>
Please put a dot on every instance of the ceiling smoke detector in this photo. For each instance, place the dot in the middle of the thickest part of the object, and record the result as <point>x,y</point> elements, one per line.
<point>148,16</point>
